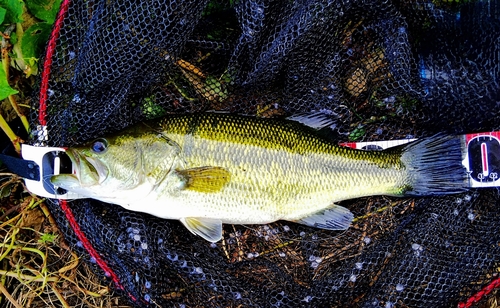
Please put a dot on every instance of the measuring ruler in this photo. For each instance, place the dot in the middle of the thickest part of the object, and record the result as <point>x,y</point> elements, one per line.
<point>481,156</point>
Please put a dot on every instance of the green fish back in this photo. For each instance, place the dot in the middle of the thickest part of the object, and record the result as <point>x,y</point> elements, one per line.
<point>275,134</point>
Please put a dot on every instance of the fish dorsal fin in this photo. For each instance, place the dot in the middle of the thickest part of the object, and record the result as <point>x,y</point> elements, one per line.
<point>314,120</point>
<point>335,218</point>
<point>208,228</point>
<point>205,179</point>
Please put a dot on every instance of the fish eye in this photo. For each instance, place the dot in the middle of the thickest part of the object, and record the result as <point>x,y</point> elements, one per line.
<point>99,146</point>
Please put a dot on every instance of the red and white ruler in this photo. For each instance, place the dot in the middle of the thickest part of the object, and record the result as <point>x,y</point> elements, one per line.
<point>482,156</point>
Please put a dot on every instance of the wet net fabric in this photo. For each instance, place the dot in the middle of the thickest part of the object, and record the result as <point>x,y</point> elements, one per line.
<point>381,69</point>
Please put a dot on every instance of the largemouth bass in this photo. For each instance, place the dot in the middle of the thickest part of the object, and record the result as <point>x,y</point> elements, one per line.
<point>209,169</point>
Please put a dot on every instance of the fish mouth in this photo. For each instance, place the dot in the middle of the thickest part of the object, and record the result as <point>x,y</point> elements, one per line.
<point>88,171</point>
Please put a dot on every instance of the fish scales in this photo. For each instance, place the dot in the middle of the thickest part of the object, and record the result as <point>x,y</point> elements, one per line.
<point>212,168</point>
<point>281,170</point>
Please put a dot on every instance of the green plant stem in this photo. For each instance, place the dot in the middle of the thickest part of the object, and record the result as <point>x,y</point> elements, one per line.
<point>12,136</point>
<point>24,277</point>
<point>15,106</point>
<point>10,221</point>
<point>10,246</point>
<point>34,204</point>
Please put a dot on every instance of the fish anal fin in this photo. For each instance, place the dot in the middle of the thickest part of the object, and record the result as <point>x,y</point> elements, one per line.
<point>205,179</point>
<point>334,218</point>
<point>208,228</point>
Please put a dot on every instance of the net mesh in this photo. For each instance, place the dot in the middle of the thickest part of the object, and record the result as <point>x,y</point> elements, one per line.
<point>382,69</point>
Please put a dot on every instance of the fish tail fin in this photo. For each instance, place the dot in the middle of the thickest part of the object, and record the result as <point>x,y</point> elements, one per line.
<point>434,166</point>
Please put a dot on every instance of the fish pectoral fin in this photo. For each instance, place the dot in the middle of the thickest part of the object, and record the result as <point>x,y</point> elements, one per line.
<point>334,218</point>
<point>208,228</point>
<point>205,179</point>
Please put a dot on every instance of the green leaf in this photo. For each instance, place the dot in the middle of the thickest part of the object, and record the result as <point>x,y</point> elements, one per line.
<point>34,40</point>
<point>5,89</point>
<point>47,238</point>
<point>6,190</point>
<point>357,133</point>
<point>14,10</point>
<point>44,9</point>
<point>151,109</point>
<point>13,38</point>
<point>2,14</point>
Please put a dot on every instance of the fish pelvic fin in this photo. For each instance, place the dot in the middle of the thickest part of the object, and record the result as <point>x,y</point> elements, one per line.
<point>205,179</point>
<point>334,218</point>
<point>208,228</point>
<point>434,166</point>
